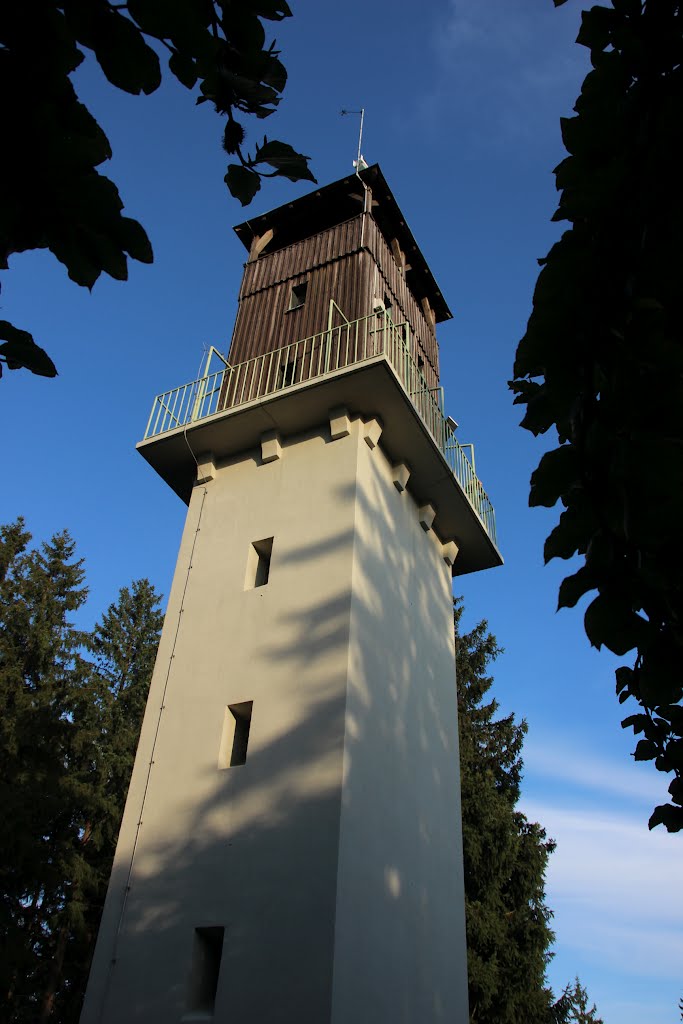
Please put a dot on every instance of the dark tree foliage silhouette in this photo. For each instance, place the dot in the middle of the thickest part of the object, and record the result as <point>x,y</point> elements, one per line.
<point>51,193</point>
<point>508,932</point>
<point>602,363</point>
<point>71,707</point>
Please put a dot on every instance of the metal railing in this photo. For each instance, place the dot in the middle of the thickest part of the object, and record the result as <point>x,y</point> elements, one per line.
<point>317,356</point>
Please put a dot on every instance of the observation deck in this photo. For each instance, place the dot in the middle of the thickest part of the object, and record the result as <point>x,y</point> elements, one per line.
<point>364,365</point>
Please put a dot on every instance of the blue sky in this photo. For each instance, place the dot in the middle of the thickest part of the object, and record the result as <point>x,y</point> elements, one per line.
<point>462,102</point>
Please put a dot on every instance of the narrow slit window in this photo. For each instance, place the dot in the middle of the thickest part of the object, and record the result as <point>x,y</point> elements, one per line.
<point>206,965</point>
<point>258,563</point>
<point>235,736</point>
<point>298,295</point>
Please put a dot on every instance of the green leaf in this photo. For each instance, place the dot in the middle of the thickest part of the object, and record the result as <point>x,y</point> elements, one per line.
<point>625,677</point>
<point>124,56</point>
<point>676,790</point>
<point>287,162</point>
<point>636,722</point>
<point>645,750</point>
<point>272,10</point>
<point>242,183</point>
<point>541,411</point>
<point>80,265</point>
<point>20,350</point>
<point>574,587</point>
<point>85,142</point>
<point>674,714</point>
<point>572,533</point>
<point>106,254</point>
<point>275,74</point>
<point>610,622</point>
<point>133,238</point>
<point>184,22</point>
<point>555,476</point>
<point>674,755</point>
<point>596,27</point>
<point>155,17</point>
<point>660,672</point>
<point>525,390</point>
<point>247,35</point>
<point>228,88</point>
<point>184,69</point>
<point>667,815</point>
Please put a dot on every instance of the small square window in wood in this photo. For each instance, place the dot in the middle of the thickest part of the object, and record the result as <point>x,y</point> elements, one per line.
<point>298,295</point>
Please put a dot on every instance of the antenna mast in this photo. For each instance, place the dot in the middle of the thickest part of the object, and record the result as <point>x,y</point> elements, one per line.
<point>359,163</point>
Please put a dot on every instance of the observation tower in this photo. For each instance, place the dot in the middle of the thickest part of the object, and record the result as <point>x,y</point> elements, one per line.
<point>291,848</point>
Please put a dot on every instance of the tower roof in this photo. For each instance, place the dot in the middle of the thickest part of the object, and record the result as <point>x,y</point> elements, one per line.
<point>340,201</point>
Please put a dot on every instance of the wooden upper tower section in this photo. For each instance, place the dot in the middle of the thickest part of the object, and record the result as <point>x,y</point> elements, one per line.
<point>337,311</point>
<point>335,254</point>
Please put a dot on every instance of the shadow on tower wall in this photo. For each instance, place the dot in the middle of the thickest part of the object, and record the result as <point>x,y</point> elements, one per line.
<point>307,873</point>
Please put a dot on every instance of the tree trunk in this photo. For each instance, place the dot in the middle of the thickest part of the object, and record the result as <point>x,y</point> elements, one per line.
<point>54,976</point>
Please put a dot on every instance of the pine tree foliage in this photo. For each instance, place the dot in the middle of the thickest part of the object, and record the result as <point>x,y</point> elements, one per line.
<point>505,855</point>
<point>71,707</point>
<point>508,935</point>
<point>70,711</point>
<point>41,672</point>
<point>123,646</point>
<point>572,1006</point>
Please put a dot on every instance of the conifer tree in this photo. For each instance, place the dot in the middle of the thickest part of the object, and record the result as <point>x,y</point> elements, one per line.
<point>123,646</point>
<point>71,707</point>
<point>505,855</point>
<point>573,1006</point>
<point>41,674</point>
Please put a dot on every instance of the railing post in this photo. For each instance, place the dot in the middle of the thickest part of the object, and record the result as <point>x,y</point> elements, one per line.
<point>149,421</point>
<point>201,391</point>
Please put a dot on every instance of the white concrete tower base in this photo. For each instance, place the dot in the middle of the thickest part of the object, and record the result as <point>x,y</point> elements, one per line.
<point>324,873</point>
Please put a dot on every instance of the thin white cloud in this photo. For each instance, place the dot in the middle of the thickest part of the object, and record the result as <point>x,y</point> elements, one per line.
<point>509,64</point>
<point>494,26</point>
<point>615,889</point>
<point>623,778</point>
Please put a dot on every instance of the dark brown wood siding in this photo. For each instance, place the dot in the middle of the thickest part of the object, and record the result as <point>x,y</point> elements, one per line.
<point>393,282</point>
<point>350,263</point>
<point>331,264</point>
